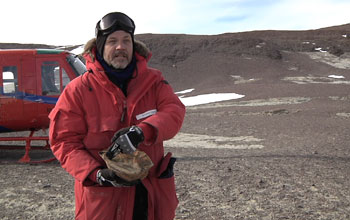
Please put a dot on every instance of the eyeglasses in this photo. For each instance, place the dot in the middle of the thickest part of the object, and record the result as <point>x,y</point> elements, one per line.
<point>114,21</point>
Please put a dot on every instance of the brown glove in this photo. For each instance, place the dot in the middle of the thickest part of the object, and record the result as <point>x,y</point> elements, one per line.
<point>130,167</point>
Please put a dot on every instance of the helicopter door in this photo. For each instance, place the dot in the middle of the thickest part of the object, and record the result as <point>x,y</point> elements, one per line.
<point>51,77</point>
<point>29,90</point>
<point>11,110</point>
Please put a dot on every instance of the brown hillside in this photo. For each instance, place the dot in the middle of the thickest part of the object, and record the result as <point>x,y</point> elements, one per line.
<point>280,152</point>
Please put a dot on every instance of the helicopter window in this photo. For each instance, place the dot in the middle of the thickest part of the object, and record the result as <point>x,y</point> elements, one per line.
<point>50,78</point>
<point>65,78</point>
<point>10,80</point>
<point>77,65</point>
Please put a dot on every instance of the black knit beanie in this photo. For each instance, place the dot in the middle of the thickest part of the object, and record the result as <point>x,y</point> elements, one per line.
<point>117,21</point>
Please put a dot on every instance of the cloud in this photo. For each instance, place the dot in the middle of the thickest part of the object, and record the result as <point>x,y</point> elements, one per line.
<point>286,14</point>
<point>73,22</point>
<point>230,19</point>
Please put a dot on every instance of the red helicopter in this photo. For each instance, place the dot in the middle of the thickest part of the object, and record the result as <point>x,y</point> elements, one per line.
<point>31,81</point>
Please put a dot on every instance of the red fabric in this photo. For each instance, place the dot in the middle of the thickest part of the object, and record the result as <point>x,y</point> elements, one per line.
<point>149,133</point>
<point>86,116</point>
<point>93,175</point>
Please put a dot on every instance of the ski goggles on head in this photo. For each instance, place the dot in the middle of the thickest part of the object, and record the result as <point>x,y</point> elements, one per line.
<point>115,21</point>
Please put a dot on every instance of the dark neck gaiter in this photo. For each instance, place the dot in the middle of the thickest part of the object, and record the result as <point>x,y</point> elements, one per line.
<point>119,77</point>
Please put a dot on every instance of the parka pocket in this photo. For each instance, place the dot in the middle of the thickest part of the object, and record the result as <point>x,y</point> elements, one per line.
<point>163,165</point>
<point>169,172</point>
<point>54,114</point>
<point>101,124</point>
<point>100,132</point>
<point>166,197</point>
<point>101,202</point>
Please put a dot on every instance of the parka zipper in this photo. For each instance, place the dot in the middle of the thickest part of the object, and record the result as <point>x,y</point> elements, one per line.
<point>122,119</point>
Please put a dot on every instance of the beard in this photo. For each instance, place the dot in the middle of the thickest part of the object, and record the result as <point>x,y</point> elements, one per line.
<point>120,60</point>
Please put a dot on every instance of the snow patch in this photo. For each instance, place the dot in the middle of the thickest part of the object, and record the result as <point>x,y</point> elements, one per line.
<point>336,77</point>
<point>239,79</point>
<point>315,79</point>
<point>209,98</point>
<point>185,140</point>
<point>320,49</point>
<point>184,91</point>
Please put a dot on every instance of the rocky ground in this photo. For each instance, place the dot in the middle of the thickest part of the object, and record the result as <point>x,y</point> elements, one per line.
<point>257,159</point>
<point>281,152</point>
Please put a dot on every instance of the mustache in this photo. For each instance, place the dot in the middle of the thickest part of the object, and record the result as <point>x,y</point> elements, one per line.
<point>120,53</point>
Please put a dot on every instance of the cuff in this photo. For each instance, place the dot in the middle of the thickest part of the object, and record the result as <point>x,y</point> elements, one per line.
<point>93,175</point>
<point>148,132</point>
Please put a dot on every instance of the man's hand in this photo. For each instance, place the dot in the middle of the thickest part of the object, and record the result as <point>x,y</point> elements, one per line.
<point>106,177</point>
<point>126,140</point>
<point>134,133</point>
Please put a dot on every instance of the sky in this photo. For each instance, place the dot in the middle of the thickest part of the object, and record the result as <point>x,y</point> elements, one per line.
<point>72,22</point>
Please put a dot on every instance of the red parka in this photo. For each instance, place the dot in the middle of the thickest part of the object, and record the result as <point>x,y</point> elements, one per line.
<point>90,110</point>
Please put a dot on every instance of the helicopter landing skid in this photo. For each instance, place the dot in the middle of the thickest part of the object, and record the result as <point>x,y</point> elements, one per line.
<point>26,158</point>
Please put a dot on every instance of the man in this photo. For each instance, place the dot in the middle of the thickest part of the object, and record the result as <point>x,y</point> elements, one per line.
<point>118,91</point>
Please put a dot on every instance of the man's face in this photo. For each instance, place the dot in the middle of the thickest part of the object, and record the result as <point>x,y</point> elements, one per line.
<point>118,49</point>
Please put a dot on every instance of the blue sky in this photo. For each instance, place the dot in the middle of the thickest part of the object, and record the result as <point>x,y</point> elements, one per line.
<point>69,22</point>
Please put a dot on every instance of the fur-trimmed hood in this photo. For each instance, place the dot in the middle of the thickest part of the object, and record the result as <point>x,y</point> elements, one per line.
<point>139,47</point>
